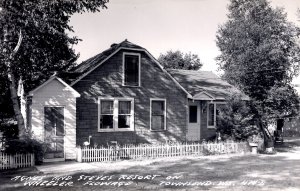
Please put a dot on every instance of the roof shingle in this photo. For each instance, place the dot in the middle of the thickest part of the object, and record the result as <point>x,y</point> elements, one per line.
<point>198,82</point>
<point>202,85</point>
<point>93,61</point>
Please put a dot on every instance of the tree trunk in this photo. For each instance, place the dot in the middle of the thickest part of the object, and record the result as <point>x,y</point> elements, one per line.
<point>16,105</point>
<point>267,136</point>
<point>12,83</point>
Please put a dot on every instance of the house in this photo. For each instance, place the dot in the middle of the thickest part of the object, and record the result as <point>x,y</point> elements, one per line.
<point>123,94</point>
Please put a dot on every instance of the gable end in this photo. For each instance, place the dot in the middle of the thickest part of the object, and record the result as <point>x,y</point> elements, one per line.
<point>133,49</point>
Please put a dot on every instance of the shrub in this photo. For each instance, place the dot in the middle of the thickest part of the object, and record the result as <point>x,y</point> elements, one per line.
<point>235,120</point>
<point>26,146</point>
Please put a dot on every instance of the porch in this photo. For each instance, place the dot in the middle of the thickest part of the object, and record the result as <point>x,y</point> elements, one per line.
<point>202,119</point>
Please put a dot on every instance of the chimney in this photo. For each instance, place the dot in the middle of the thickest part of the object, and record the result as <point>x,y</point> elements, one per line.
<point>112,45</point>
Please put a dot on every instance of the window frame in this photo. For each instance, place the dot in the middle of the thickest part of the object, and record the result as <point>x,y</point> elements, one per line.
<point>139,70</point>
<point>165,113</point>
<point>215,117</point>
<point>116,101</point>
<point>130,114</point>
<point>215,113</point>
<point>99,113</point>
<point>64,123</point>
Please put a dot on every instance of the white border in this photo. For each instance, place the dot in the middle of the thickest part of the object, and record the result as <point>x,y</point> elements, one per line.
<point>123,68</point>
<point>165,113</point>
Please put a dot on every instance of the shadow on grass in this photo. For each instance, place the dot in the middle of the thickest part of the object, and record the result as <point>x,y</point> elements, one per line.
<point>289,145</point>
<point>247,172</point>
<point>250,172</point>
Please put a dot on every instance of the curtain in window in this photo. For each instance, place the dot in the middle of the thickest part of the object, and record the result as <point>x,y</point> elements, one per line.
<point>106,115</point>
<point>124,114</point>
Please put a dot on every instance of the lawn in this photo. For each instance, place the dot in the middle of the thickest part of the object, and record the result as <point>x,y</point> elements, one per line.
<point>226,172</point>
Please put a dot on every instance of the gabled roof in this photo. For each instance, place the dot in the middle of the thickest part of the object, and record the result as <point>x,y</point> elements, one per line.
<point>203,96</point>
<point>93,61</point>
<point>198,85</point>
<point>91,64</point>
<point>54,77</point>
<point>203,85</point>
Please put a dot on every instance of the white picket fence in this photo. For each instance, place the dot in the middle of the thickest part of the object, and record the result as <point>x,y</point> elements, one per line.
<point>16,161</point>
<point>88,154</point>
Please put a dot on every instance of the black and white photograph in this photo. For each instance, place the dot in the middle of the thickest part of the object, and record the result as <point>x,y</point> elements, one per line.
<point>150,95</point>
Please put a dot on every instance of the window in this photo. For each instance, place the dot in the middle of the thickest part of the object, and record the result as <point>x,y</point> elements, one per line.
<point>131,67</point>
<point>54,121</point>
<point>116,114</point>
<point>212,113</point>
<point>157,114</point>
<point>54,130</point>
<point>124,114</point>
<point>106,117</point>
<point>193,114</point>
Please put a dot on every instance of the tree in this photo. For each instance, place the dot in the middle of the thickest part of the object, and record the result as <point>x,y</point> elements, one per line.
<point>260,55</point>
<point>34,42</point>
<point>179,60</point>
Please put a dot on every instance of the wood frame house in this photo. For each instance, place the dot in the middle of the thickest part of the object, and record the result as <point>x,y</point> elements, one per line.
<point>123,94</point>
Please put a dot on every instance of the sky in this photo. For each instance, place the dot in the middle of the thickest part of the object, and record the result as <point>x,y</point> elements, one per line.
<point>161,25</point>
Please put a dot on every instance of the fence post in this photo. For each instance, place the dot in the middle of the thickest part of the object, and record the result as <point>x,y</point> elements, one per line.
<point>79,154</point>
<point>11,163</point>
<point>32,159</point>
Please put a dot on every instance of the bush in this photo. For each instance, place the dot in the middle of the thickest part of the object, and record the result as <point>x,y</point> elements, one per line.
<point>26,146</point>
<point>235,120</point>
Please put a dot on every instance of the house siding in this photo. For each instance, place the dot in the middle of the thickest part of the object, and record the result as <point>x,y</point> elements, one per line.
<point>205,132</point>
<point>106,81</point>
<point>55,94</point>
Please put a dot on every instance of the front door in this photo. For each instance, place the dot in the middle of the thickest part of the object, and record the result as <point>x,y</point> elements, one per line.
<point>54,132</point>
<point>193,133</point>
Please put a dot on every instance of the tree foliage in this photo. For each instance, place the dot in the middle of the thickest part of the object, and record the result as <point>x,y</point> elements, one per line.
<point>260,55</point>
<point>180,60</point>
<point>46,46</point>
<point>41,28</point>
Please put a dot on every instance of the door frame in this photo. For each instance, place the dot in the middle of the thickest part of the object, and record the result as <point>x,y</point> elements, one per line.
<point>198,124</point>
<point>64,146</point>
